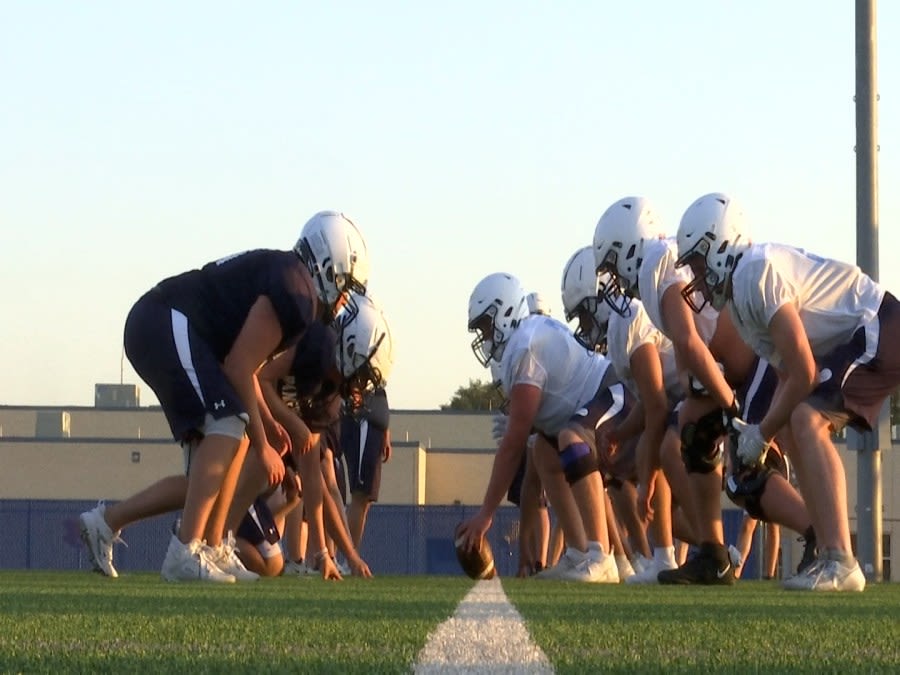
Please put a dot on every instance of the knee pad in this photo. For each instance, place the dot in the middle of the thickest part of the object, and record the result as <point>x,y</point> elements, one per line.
<point>577,462</point>
<point>700,449</point>
<point>746,490</point>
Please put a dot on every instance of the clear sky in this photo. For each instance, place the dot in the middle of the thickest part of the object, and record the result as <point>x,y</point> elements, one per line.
<point>141,139</point>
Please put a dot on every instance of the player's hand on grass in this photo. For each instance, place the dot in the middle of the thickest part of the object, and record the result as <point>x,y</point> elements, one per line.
<point>329,570</point>
<point>359,568</point>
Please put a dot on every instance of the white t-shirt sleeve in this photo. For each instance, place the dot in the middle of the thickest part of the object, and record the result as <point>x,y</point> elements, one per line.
<point>775,291</point>
<point>641,333</point>
<point>528,370</point>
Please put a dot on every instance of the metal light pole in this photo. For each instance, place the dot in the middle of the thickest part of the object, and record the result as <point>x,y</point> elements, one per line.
<point>867,445</point>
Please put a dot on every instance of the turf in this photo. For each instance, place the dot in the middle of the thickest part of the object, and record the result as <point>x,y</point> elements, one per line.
<point>79,622</point>
<point>65,622</point>
<point>754,626</point>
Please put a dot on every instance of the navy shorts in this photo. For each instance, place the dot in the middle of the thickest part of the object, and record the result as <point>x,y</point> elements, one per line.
<point>756,392</point>
<point>514,494</point>
<point>606,410</point>
<point>362,444</point>
<point>854,394</point>
<point>179,367</point>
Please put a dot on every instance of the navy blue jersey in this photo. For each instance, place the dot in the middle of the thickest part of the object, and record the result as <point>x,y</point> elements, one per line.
<point>217,298</point>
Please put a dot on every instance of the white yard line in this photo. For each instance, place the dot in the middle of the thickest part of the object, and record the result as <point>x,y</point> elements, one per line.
<point>485,635</point>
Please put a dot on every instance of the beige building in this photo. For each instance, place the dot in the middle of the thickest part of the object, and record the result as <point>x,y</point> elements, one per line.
<point>91,452</point>
<point>106,452</point>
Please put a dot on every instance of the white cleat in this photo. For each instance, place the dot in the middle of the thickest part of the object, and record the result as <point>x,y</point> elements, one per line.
<point>626,571</point>
<point>561,570</point>
<point>828,575</point>
<point>99,539</point>
<point>225,557</point>
<point>639,563</point>
<point>188,562</point>
<point>600,569</point>
<point>298,569</point>
<point>594,568</point>
<point>650,573</point>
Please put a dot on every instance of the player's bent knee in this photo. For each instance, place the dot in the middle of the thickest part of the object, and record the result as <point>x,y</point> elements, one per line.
<point>577,462</point>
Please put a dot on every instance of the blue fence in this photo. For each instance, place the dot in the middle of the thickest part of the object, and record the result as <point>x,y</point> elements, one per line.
<point>38,534</point>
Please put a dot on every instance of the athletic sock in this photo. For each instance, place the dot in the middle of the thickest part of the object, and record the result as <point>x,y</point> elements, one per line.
<point>664,555</point>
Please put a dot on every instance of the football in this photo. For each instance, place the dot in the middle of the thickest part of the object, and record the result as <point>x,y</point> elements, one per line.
<point>478,564</point>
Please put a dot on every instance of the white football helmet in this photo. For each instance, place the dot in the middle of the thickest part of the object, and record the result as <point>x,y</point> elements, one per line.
<point>711,238</point>
<point>618,247</point>
<point>537,304</point>
<point>336,254</point>
<point>365,348</point>
<point>582,288</point>
<point>496,307</point>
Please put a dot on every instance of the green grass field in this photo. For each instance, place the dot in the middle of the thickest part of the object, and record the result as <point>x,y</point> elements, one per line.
<point>62,622</point>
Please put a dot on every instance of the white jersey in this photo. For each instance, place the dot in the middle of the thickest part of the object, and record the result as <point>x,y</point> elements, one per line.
<point>656,274</point>
<point>625,334</point>
<point>543,352</point>
<point>833,299</point>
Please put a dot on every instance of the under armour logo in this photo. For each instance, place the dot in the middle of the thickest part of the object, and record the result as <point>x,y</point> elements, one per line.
<point>219,404</point>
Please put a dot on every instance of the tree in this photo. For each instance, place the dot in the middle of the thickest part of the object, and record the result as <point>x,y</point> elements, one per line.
<point>477,395</point>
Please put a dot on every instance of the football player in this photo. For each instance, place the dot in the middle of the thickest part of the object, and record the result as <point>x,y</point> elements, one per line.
<point>564,392</point>
<point>264,302</point>
<point>826,326</point>
<point>644,360</point>
<point>630,246</point>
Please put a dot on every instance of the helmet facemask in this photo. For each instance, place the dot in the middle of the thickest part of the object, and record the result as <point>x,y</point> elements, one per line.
<point>619,248</point>
<point>711,239</point>
<point>591,330</point>
<point>709,286</point>
<point>488,343</point>
<point>496,306</point>
<point>621,288</point>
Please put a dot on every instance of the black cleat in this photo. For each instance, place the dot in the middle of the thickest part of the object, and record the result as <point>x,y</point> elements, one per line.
<point>710,567</point>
